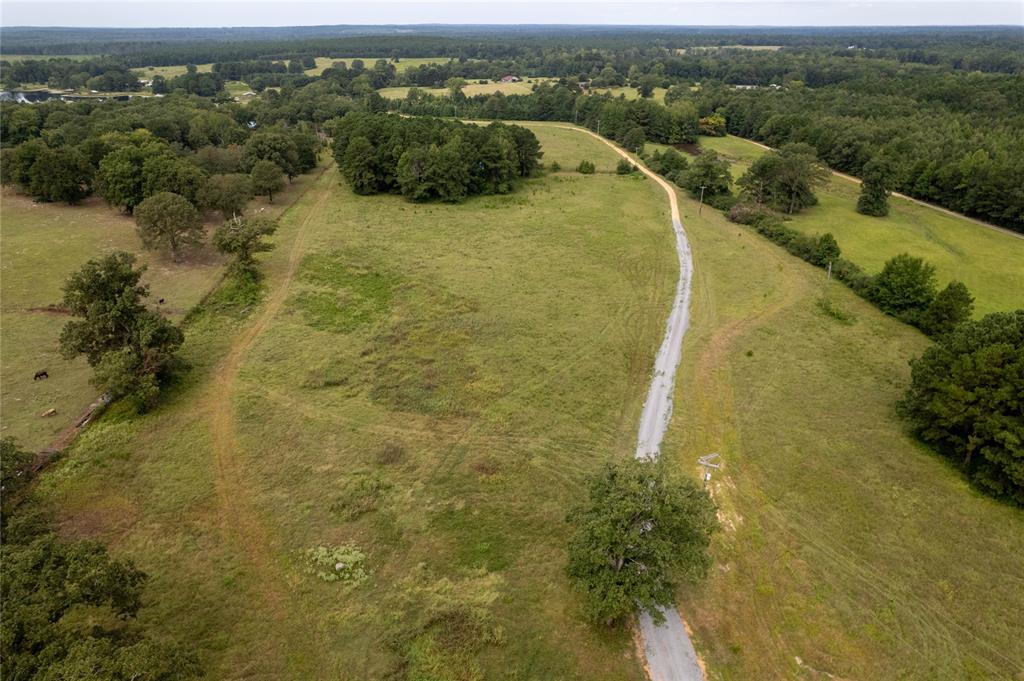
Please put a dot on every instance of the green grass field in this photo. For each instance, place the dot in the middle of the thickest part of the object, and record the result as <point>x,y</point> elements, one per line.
<point>632,93</point>
<point>433,384</point>
<point>849,551</point>
<point>148,72</point>
<point>404,64</point>
<point>523,87</point>
<point>989,261</point>
<point>40,246</point>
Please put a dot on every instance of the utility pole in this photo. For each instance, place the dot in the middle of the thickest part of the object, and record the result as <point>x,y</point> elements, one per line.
<point>830,269</point>
<point>700,206</point>
<point>706,462</point>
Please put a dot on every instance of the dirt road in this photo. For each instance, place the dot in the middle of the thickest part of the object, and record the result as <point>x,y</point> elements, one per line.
<point>669,652</point>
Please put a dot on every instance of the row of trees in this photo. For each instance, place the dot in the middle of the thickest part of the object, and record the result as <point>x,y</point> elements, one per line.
<point>784,181</point>
<point>427,159</point>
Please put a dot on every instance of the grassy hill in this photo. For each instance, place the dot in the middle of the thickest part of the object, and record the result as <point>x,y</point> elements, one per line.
<point>849,550</point>
<point>430,382</point>
<point>989,261</point>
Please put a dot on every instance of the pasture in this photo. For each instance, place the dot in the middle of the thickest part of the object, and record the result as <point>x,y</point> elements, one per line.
<point>148,72</point>
<point>990,262</point>
<point>429,382</point>
<point>631,93</point>
<point>523,87</point>
<point>849,551</point>
<point>404,63</point>
<point>40,246</point>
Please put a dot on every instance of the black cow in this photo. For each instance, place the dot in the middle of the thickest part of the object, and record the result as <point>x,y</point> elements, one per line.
<point>40,375</point>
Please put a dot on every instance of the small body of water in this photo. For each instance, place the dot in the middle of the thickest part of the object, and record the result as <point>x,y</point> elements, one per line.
<point>33,96</point>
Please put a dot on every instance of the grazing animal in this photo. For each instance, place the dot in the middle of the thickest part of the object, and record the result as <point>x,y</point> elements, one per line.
<point>160,302</point>
<point>40,375</point>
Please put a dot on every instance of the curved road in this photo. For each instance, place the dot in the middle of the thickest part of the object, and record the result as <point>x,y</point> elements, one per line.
<point>669,652</point>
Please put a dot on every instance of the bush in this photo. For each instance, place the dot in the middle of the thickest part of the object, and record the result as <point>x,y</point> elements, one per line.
<point>555,166</point>
<point>830,308</point>
<point>853,276</point>
<point>586,167</point>
<point>951,307</point>
<point>746,213</point>
<point>965,400</point>
<point>625,167</point>
<point>905,287</point>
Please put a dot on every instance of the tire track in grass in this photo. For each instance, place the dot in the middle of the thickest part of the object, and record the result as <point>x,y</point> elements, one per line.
<point>240,521</point>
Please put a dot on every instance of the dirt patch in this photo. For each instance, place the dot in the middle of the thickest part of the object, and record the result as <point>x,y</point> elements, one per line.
<point>58,310</point>
<point>690,148</point>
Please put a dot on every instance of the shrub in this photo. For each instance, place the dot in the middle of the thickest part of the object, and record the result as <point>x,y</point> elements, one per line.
<point>951,307</point>
<point>586,167</point>
<point>625,167</point>
<point>905,287</point>
<point>746,213</point>
<point>242,238</point>
<point>15,467</point>
<point>853,276</point>
<point>555,166</point>
<point>723,202</point>
<point>965,400</point>
<point>833,310</point>
<point>337,563</point>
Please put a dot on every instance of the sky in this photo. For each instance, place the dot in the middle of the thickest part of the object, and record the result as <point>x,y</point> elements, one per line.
<point>147,13</point>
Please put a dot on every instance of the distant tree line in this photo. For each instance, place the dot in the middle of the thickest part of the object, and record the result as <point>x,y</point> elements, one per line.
<point>429,158</point>
<point>110,75</point>
<point>963,48</point>
<point>129,151</point>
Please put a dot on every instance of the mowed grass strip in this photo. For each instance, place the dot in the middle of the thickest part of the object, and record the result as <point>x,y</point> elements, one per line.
<point>989,261</point>
<point>477,361</point>
<point>848,549</point>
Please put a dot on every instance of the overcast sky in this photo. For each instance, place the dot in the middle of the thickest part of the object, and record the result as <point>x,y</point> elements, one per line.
<point>135,13</point>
